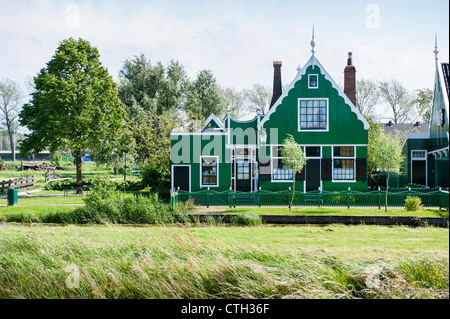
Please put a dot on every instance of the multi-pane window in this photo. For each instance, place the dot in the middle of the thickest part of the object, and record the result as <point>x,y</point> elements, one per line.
<point>343,151</point>
<point>243,170</point>
<point>313,115</point>
<point>280,172</point>
<point>419,154</point>
<point>209,171</point>
<point>312,151</point>
<point>343,163</point>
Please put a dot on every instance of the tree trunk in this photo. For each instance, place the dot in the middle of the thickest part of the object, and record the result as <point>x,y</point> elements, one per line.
<point>78,163</point>
<point>11,143</point>
<point>387,188</point>
<point>293,193</point>
<point>115,170</point>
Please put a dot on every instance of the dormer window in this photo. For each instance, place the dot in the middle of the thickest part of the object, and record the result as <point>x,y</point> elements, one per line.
<point>313,81</point>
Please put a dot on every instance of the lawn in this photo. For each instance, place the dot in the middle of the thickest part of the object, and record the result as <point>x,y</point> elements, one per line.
<point>369,211</point>
<point>89,170</point>
<point>196,261</point>
<point>41,201</point>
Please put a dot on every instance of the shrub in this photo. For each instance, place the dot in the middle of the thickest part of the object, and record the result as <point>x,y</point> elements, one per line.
<point>107,205</point>
<point>248,219</point>
<point>56,159</point>
<point>413,203</point>
<point>378,179</point>
<point>186,207</point>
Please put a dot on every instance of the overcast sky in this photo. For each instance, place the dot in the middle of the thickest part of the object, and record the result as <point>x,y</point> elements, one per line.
<point>237,40</point>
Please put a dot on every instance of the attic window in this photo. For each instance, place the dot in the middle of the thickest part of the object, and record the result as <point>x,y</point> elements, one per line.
<point>313,115</point>
<point>313,81</point>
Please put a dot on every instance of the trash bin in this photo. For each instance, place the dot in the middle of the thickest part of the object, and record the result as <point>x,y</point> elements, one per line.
<point>12,197</point>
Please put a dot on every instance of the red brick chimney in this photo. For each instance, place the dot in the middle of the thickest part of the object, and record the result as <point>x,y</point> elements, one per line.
<point>277,89</point>
<point>350,80</point>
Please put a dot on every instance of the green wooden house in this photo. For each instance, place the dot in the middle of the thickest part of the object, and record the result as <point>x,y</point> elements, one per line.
<point>426,154</point>
<point>246,155</point>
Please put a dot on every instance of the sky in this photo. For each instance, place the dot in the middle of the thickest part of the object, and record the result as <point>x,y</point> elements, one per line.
<point>236,40</point>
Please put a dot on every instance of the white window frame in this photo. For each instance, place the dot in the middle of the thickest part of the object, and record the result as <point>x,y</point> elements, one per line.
<point>328,115</point>
<point>272,158</point>
<point>201,171</point>
<point>425,158</point>
<point>343,157</point>
<point>252,160</point>
<point>309,81</point>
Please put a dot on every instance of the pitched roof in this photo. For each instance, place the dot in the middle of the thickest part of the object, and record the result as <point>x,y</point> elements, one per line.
<point>445,73</point>
<point>212,122</point>
<point>406,127</point>
<point>314,62</point>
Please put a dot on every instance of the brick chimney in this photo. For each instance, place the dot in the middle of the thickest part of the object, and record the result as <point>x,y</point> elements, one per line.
<point>350,80</point>
<point>277,90</point>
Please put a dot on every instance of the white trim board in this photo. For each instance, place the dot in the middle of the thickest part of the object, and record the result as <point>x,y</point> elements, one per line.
<point>214,118</point>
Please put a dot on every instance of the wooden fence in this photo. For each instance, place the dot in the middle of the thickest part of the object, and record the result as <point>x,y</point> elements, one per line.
<point>52,175</point>
<point>19,183</point>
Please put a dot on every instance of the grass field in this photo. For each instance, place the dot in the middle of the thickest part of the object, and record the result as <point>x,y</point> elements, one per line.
<point>223,262</point>
<point>339,211</point>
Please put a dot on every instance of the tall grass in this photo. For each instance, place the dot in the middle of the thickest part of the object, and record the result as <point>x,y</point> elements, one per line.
<point>174,263</point>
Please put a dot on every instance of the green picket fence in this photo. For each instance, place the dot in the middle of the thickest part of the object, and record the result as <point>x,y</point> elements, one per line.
<point>396,198</point>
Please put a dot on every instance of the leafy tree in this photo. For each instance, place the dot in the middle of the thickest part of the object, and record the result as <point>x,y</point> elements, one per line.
<point>367,96</point>
<point>422,103</point>
<point>375,130</point>
<point>233,100</point>
<point>204,97</point>
<point>153,148</point>
<point>146,89</point>
<point>258,97</point>
<point>117,149</point>
<point>386,152</point>
<point>396,95</point>
<point>10,97</point>
<point>155,96</point>
<point>294,159</point>
<point>75,105</point>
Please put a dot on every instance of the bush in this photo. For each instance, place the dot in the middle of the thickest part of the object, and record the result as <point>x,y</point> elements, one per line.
<point>107,205</point>
<point>413,203</point>
<point>377,179</point>
<point>248,219</point>
<point>128,185</point>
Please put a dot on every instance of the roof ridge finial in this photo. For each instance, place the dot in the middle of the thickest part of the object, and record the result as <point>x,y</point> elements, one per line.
<point>313,42</point>
<point>436,52</point>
